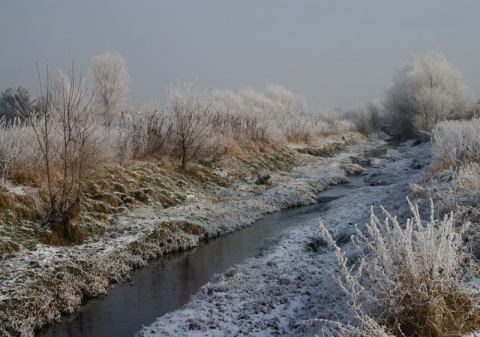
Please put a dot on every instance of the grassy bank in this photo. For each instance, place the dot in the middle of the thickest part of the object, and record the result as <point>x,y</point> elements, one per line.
<point>134,213</point>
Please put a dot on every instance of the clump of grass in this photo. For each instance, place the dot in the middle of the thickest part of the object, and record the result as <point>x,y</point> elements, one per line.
<point>316,244</point>
<point>8,247</point>
<point>410,280</point>
<point>167,237</point>
<point>15,208</point>
<point>260,157</point>
<point>455,143</point>
<point>75,235</point>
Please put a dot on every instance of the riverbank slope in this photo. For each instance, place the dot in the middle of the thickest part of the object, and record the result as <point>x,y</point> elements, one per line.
<point>290,285</point>
<point>41,283</point>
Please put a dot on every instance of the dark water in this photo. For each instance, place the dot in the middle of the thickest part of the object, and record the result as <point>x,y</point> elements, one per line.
<point>167,284</point>
<point>376,152</point>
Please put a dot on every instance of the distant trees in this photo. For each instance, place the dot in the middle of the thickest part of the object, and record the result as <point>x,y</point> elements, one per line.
<point>377,116</point>
<point>253,115</point>
<point>425,92</point>
<point>110,84</point>
<point>13,101</point>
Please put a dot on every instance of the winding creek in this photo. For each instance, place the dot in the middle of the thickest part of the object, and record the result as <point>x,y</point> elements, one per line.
<point>167,283</point>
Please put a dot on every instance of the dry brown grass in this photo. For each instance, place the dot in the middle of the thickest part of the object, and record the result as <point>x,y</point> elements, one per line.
<point>20,207</point>
<point>75,235</point>
<point>443,312</point>
<point>305,137</point>
<point>8,247</point>
<point>111,189</point>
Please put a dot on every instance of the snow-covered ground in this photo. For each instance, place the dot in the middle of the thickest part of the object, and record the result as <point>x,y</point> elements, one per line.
<point>37,286</point>
<point>290,284</point>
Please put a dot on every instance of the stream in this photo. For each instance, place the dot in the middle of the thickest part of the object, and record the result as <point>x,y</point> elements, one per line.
<point>167,283</point>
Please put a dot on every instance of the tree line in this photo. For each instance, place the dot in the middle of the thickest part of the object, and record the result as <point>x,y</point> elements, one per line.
<point>79,121</point>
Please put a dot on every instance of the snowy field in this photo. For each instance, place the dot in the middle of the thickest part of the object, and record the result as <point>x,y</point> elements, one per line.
<point>291,282</point>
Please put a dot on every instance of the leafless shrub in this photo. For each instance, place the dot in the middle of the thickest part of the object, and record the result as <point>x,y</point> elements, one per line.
<point>147,132</point>
<point>377,115</point>
<point>365,118</point>
<point>18,149</point>
<point>410,279</point>
<point>65,131</point>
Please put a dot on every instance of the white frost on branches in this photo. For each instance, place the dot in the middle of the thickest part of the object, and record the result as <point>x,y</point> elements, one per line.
<point>405,275</point>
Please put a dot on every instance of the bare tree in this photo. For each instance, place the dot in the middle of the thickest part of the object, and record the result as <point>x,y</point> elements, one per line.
<point>190,112</point>
<point>425,92</point>
<point>65,133</point>
<point>110,82</point>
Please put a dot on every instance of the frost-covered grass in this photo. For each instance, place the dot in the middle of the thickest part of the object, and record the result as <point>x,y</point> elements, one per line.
<point>410,279</point>
<point>413,273</point>
<point>456,143</point>
<point>212,201</point>
<point>289,286</point>
<point>452,181</point>
<point>66,146</point>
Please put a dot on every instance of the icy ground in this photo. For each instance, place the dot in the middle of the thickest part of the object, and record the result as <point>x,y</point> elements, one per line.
<point>291,282</point>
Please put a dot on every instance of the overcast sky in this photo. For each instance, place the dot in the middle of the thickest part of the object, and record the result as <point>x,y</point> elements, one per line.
<point>334,53</point>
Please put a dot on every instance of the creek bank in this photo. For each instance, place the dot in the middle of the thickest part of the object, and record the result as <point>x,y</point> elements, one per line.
<point>40,285</point>
<point>290,285</point>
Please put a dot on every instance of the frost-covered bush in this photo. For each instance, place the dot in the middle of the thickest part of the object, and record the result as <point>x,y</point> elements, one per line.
<point>274,113</point>
<point>145,133</point>
<point>18,149</point>
<point>365,118</point>
<point>459,192</point>
<point>377,115</point>
<point>194,125</point>
<point>192,130</point>
<point>330,122</point>
<point>425,92</point>
<point>410,280</point>
<point>456,143</point>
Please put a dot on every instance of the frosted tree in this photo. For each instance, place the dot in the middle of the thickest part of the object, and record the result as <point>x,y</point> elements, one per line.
<point>13,101</point>
<point>65,131</point>
<point>191,122</point>
<point>110,83</point>
<point>291,103</point>
<point>426,91</point>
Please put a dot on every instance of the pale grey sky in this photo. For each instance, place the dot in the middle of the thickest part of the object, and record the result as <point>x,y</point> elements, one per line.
<point>335,53</point>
